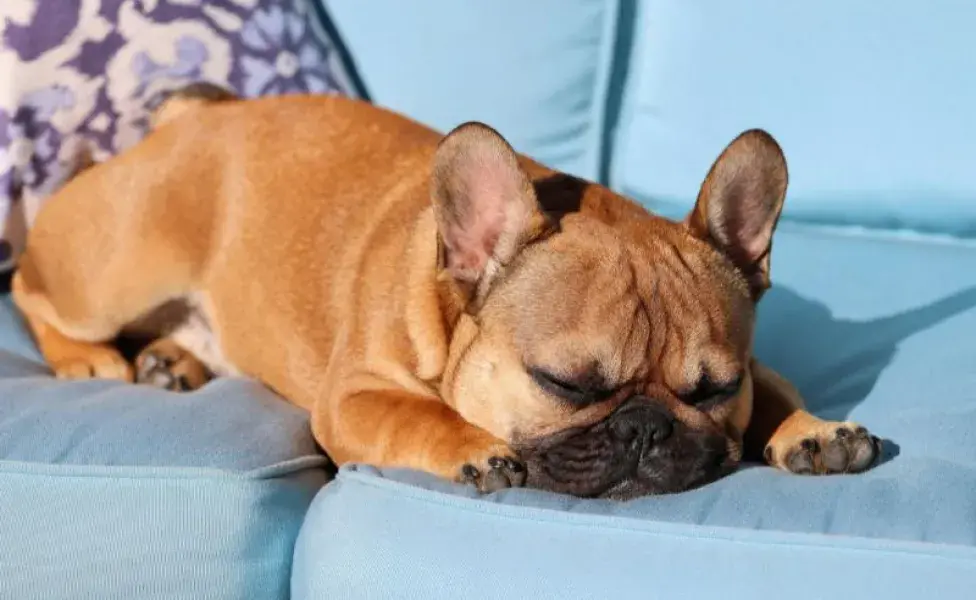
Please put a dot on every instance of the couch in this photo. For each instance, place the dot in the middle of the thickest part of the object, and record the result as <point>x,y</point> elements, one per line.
<point>112,491</point>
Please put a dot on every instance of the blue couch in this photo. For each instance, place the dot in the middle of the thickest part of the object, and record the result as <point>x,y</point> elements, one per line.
<point>109,491</point>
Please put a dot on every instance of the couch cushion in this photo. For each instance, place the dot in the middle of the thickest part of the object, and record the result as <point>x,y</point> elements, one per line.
<point>536,71</point>
<point>871,101</point>
<point>137,492</point>
<point>882,331</point>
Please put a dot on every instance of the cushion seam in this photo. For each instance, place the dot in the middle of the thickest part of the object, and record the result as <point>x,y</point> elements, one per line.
<point>599,108</point>
<point>266,473</point>
<point>621,137</point>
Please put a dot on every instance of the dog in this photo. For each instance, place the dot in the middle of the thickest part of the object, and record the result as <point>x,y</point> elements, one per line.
<point>439,303</point>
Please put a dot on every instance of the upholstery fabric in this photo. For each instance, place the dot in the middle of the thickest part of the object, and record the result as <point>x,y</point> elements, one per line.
<point>539,72</point>
<point>871,101</point>
<point>121,491</point>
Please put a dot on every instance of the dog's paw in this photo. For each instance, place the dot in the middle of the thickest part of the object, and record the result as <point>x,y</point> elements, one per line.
<point>165,365</point>
<point>826,449</point>
<point>495,473</point>
<point>96,362</point>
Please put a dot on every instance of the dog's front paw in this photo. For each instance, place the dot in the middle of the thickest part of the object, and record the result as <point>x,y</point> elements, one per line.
<point>824,448</point>
<point>495,473</point>
<point>94,362</point>
<point>165,365</point>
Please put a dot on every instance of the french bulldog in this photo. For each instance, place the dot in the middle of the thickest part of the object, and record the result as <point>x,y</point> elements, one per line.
<point>437,302</point>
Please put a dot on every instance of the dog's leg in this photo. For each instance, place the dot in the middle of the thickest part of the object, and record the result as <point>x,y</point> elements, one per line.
<point>84,277</point>
<point>401,429</point>
<point>790,438</point>
<point>70,358</point>
<point>166,364</point>
<point>76,323</point>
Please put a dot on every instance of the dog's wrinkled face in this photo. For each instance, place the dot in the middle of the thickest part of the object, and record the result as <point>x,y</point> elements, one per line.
<point>611,348</point>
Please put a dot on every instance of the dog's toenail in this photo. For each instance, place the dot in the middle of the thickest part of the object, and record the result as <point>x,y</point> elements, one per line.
<point>183,383</point>
<point>515,466</point>
<point>843,433</point>
<point>861,431</point>
<point>470,471</point>
<point>810,445</point>
<point>496,462</point>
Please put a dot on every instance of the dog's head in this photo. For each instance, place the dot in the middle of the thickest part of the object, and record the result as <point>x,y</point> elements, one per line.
<point>610,347</point>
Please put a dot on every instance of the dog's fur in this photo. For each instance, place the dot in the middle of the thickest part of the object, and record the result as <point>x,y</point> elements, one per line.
<point>436,303</point>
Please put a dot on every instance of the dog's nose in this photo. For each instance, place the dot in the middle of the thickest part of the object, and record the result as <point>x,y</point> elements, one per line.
<point>641,419</point>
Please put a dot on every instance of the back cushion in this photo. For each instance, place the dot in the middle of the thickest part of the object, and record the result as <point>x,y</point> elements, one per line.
<point>873,102</point>
<point>535,70</point>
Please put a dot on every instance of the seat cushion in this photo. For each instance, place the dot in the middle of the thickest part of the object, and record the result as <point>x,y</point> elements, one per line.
<point>140,493</point>
<point>879,330</point>
<point>871,101</point>
<point>539,71</point>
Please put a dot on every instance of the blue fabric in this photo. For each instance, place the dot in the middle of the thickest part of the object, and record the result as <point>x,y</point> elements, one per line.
<point>539,71</point>
<point>878,330</point>
<point>871,101</point>
<point>117,491</point>
<point>125,532</point>
<point>230,424</point>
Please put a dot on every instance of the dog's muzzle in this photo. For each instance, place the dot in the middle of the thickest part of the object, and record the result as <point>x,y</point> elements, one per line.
<point>639,449</point>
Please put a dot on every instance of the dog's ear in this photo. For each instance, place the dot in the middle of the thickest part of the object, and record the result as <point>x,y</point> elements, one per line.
<point>484,204</point>
<point>740,203</point>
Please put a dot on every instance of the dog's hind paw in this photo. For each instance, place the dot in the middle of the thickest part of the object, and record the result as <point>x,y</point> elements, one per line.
<point>166,365</point>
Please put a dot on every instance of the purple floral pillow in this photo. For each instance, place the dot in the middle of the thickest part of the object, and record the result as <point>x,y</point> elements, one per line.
<point>79,77</point>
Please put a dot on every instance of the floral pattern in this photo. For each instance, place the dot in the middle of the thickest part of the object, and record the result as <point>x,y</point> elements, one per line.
<point>79,77</point>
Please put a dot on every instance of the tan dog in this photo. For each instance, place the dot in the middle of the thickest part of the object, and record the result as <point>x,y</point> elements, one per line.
<point>436,303</point>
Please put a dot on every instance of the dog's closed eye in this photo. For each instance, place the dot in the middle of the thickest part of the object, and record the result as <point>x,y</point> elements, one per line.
<point>579,391</point>
<point>708,393</point>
